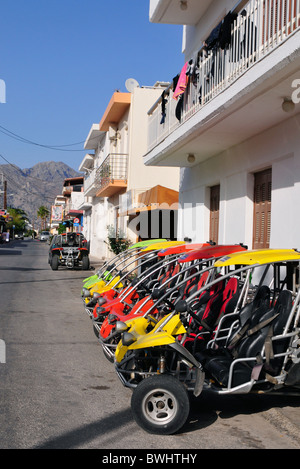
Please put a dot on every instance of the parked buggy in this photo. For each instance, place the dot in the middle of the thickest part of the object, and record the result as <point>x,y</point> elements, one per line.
<point>254,348</point>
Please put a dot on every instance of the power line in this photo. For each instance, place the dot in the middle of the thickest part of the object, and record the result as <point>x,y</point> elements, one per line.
<point>19,138</point>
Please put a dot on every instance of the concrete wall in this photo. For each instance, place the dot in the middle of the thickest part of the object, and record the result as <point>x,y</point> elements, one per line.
<point>279,148</point>
<point>139,175</point>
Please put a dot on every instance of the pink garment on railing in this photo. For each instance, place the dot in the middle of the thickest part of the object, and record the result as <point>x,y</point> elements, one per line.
<point>182,82</point>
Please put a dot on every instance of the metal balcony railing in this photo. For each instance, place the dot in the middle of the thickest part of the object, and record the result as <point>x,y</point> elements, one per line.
<point>114,168</point>
<point>261,27</point>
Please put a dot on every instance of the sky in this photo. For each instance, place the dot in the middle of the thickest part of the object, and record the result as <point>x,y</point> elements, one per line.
<point>60,63</point>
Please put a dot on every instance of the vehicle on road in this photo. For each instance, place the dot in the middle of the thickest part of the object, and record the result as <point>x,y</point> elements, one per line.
<point>45,236</point>
<point>69,250</point>
<point>253,349</point>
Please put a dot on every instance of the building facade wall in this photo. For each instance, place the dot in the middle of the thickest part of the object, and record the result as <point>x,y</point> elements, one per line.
<point>139,175</point>
<point>277,148</point>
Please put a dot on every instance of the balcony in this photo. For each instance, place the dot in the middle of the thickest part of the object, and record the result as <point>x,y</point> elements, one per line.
<point>111,176</point>
<point>236,91</point>
<point>90,184</point>
<point>73,206</point>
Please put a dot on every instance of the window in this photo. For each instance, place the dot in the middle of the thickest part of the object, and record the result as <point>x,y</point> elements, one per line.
<point>262,209</point>
<point>214,213</point>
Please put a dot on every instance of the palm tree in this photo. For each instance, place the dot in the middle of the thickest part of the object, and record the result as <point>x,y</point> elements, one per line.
<point>43,214</point>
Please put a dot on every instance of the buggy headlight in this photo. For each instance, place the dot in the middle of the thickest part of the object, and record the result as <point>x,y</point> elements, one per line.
<point>128,339</point>
<point>121,326</point>
<point>98,311</point>
<point>101,301</point>
<point>111,318</point>
<point>86,293</point>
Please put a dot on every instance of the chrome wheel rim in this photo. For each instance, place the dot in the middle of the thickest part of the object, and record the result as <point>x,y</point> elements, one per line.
<point>159,406</point>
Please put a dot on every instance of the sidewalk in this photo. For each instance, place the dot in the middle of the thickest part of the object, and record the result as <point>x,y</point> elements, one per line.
<point>96,262</point>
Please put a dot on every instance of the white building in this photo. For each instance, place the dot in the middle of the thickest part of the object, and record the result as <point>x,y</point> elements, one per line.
<point>116,179</point>
<point>74,197</point>
<point>57,213</point>
<point>235,128</point>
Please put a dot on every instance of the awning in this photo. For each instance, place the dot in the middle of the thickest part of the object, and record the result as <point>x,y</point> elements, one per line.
<point>156,198</point>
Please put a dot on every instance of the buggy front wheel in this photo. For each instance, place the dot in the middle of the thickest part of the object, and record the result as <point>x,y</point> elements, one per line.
<point>54,262</point>
<point>160,404</point>
<point>85,263</point>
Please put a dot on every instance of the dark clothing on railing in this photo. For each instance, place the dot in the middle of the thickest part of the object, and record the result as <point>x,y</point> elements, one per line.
<point>221,34</point>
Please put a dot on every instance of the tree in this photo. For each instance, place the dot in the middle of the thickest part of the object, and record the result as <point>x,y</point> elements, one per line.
<point>43,214</point>
<point>61,228</point>
<point>18,219</point>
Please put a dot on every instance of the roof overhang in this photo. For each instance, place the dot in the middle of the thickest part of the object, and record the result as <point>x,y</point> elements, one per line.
<point>115,110</point>
<point>182,12</point>
<point>73,181</point>
<point>87,163</point>
<point>93,137</point>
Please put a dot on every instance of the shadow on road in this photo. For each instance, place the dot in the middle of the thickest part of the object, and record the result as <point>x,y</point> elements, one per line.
<point>204,412</point>
<point>10,252</point>
<point>22,269</point>
<point>78,437</point>
<point>208,407</point>
<point>42,280</point>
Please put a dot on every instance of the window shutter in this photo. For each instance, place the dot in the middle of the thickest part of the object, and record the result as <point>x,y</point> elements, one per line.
<point>214,213</point>
<point>262,209</point>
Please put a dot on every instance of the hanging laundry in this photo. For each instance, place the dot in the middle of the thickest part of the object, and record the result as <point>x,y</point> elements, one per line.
<point>249,41</point>
<point>213,39</point>
<point>225,32</point>
<point>175,81</point>
<point>190,68</point>
<point>163,107</point>
<point>179,108</point>
<point>182,82</point>
<point>221,34</point>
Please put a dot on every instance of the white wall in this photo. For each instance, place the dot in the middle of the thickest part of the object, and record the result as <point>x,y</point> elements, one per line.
<point>278,147</point>
<point>139,175</point>
<point>98,229</point>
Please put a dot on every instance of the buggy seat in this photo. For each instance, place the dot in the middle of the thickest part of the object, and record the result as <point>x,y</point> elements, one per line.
<point>212,305</point>
<point>243,356</point>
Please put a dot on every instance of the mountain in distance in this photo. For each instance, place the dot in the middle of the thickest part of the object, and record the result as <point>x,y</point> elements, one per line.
<point>30,188</point>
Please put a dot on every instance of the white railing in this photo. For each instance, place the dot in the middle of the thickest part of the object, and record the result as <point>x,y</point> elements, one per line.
<point>261,26</point>
<point>89,181</point>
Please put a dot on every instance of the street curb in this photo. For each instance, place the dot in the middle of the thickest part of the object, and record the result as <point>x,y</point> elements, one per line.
<point>279,420</point>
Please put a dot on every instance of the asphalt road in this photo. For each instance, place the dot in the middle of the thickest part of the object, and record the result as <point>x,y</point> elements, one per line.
<point>58,391</point>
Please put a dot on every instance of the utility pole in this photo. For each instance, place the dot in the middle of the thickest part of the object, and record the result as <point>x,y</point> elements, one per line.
<point>3,191</point>
<point>5,195</point>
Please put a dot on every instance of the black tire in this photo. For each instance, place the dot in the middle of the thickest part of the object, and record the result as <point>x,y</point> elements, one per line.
<point>160,404</point>
<point>54,262</point>
<point>85,263</point>
<point>96,332</point>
